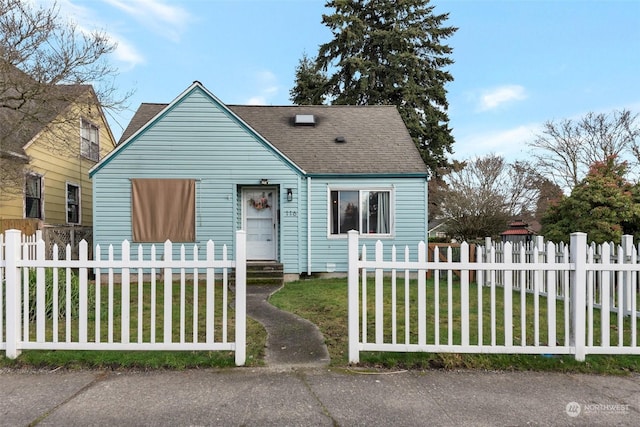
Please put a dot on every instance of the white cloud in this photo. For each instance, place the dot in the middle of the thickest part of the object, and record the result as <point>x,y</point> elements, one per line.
<point>86,22</point>
<point>267,87</point>
<point>163,18</point>
<point>257,100</point>
<point>509,143</point>
<point>127,53</point>
<point>493,98</point>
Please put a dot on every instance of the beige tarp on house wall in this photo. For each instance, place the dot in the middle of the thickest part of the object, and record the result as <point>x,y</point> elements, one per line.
<point>163,209</point>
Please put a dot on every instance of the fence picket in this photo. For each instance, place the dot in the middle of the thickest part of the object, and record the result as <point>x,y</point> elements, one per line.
<point>407,324</point>
<point>508,298</point>
<point>605,285</point>
<point>620,292</point>
<point>436,295</point>
<point>98,288</point>
<point>110,300</point>
<point>83,310</point>
<point>537,279</point>
<point>449,299</point>
<point>464,294</point>
<point>422,296</point>
<point>551,295</point>
<point>394,313</point>
<point>140,295</point>
<point>194,326</point>
<point>211,298</point>
<point>183,296</point>
<point>2,268</point>
<point>480,253</point>
<point>40,294</point>
<point>379,288</point>
<point>125,293</point>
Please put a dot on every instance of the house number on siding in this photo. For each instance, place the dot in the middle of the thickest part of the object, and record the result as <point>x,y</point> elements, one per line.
<point>290,213</point>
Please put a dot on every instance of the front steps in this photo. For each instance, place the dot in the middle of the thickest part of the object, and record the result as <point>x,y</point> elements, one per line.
<point>269,273</point>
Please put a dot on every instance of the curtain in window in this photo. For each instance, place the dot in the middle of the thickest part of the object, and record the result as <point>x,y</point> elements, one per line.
<point>383,213</point>
<point>32,196</point>
<point>163,209</point>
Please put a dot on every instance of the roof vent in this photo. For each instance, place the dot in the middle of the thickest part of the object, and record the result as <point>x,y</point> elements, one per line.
<point>305,120</point>
<point>340,139</point>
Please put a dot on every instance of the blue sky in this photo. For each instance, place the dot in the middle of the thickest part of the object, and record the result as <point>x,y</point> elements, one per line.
<point>517,63</point>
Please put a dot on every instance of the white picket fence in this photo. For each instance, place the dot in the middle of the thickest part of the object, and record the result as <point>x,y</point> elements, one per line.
<point>146,319</point>
<point>392,306</point>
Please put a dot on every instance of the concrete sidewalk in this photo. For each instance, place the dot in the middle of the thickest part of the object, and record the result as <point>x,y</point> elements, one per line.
<point>318,396</point>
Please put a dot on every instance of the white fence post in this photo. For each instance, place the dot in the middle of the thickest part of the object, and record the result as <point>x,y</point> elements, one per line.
<point>578,282</point>
<point>241,297</point>
<point>12,277</point>
<point>353,290</point>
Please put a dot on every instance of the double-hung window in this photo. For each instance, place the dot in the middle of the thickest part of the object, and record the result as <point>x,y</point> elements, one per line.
<point>33,196</point>
<point>73,204</point>
<point>89,144</point>
<point>367,211</point>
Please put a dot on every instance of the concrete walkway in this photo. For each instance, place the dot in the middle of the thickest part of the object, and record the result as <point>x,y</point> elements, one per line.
<point>291,340</point>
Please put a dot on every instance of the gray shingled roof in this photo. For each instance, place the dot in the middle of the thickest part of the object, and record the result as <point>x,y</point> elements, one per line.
<point>376,139</point>
<point>44,104</point>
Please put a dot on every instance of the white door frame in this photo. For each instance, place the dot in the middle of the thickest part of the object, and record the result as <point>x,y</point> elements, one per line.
<point>274,218</point>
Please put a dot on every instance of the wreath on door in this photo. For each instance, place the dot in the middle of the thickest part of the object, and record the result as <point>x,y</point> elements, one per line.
<point>260,203</point>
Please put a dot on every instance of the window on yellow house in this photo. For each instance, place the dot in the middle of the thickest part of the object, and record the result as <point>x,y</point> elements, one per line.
<point>89,144</point>
<point>73,204</point>
<point>33,196</point>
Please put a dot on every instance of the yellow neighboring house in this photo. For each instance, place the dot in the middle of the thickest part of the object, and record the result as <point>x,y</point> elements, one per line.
<point>53,153</point>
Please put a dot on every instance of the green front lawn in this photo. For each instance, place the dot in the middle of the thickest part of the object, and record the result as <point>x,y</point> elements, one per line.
<point>324,302</point>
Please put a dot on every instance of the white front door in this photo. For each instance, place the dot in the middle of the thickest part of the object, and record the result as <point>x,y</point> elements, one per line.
<point>259,218</point>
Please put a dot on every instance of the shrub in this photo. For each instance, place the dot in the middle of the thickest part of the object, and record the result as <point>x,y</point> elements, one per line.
<point>62,293</point>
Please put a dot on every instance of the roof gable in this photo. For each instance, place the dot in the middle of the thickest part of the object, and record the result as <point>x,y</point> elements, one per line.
<point>342,140</point>
<point>149,114</point>
<point>45,103</point>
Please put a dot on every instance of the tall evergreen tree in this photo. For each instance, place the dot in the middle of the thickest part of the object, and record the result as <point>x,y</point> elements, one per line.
<point>392,52</point>
<point>310,83</point>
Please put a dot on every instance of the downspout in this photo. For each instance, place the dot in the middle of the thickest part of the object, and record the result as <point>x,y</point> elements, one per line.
<point>426,210</point>
<point>308,226</point>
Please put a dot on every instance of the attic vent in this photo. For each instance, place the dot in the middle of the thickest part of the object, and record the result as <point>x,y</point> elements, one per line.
<point>305,120</point>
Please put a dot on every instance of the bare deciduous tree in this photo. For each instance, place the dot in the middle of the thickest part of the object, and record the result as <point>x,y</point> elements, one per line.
<point>564,150</point>
<point>483,194</point>
<point>47,63</point>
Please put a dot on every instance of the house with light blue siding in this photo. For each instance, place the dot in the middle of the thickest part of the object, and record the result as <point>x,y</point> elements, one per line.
<point>295,178</point>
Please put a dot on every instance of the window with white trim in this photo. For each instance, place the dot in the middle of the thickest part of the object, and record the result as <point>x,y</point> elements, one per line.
<point>33,196</point>
<point>73,204</point>
<point>366,211</point>
<point>89,144</point>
